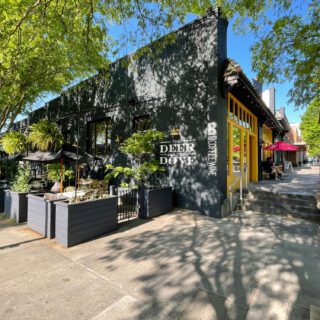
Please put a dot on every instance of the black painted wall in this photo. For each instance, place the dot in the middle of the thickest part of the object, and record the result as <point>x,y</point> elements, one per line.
<point>181,87</point>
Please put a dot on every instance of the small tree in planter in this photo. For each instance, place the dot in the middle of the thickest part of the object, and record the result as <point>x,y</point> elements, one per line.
<point>140,149</point>
<point>16,198</point>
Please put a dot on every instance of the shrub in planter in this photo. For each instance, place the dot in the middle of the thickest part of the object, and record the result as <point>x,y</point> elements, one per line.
<point>78,222</point>
<point>16,202</point>
<point>140,149</point>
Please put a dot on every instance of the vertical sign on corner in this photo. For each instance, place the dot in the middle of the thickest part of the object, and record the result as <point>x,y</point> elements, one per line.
<point>212,149</point>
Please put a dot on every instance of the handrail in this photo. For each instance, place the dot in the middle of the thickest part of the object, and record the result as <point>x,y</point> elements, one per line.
<point>240,175</point>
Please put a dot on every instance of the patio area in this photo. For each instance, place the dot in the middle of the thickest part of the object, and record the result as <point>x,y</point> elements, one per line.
<point>178,266</point>
<point>304,181</point>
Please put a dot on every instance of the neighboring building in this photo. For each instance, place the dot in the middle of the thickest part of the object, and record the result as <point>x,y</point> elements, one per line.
<point>214,118</point>
<point>269,98</point>
<point>298,157</point>
<point>282,156</point>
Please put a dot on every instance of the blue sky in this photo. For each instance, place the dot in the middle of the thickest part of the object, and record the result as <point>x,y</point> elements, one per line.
<point>238,49</point>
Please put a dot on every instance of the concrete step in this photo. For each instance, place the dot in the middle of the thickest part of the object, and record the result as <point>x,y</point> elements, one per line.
<point>288,200</point>
<point>282,195</point>
<point>279,211</point>
<point>288,205</point>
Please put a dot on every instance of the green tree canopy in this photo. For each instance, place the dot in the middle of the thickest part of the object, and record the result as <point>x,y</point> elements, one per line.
<point>14,142</point>
<point>310,128</point>
<point>46,44</point>
<point>140,147</point>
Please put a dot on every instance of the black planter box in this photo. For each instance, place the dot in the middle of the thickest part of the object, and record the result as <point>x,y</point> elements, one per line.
<point>42,215</point>
<point>82,221</point>
<point>155,202</point>
<point>16,205</point>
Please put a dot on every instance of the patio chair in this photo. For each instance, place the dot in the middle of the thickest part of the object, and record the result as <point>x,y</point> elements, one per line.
<point>95,184</point>
<point>84,184</point>
<point>88,195</point>
<point>69,189</point>
<point>103,184</point>
<point>100,192</point>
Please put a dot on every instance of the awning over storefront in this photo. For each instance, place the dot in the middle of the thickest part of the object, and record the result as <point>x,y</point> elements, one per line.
<point>236,80</point>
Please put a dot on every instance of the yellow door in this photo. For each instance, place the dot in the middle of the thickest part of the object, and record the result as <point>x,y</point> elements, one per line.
<point>242,141</point>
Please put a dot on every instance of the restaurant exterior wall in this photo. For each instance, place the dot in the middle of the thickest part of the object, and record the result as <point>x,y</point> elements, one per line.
<point>180,88</point>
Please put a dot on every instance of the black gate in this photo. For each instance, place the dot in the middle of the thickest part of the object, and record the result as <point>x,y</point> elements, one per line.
<point>127,204</point>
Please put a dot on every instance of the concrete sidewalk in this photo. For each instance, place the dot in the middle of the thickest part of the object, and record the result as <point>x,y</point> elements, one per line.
<point>178,266</point>
<point>305,180</point>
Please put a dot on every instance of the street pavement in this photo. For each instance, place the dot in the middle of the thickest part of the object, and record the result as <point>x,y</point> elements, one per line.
<point>177,266</point>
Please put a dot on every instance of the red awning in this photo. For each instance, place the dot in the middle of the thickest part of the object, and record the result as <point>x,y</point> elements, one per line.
<point>282,146</point>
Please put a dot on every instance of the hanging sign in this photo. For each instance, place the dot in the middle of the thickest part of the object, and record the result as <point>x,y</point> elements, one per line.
<point>174,152</point>
<point>212,149</point>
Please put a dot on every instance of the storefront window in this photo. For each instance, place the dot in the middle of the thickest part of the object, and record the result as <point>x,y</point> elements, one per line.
<point>267,139</point>
<point>236,149</point>
<point>142,123</point>
<point>99,137</point>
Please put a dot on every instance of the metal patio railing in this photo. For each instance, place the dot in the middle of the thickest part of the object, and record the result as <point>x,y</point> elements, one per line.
<point>243,172</point>
<point>127,205</point>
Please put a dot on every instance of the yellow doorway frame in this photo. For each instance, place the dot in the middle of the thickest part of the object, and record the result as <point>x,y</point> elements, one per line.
<point>240,117</point>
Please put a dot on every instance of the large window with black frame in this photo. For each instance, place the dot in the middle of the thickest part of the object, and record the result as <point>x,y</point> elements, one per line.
<point>99,137</point>
<point>142,123</point>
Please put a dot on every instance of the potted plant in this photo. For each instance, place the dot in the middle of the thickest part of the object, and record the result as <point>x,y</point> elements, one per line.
<point>16,202</point>
<point>140,149</point>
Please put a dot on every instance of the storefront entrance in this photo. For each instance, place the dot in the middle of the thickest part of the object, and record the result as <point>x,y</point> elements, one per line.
<point>242,141</point>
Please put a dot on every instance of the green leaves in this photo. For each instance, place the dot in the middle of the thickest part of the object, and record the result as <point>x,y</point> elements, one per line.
<point>45,135</point>
<point>138,147</point>
<point>54,172</point>
<point>141,143</point>
<point>22,178</point>
<point>45,45</point>
<point>14,142</point>
<point>310,128</point>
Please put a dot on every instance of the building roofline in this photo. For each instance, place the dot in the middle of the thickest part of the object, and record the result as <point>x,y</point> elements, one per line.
<point>233,74</point>
<point>214,10</point>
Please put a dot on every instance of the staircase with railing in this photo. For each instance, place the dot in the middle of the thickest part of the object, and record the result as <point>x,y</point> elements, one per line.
<point>232,187</point>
